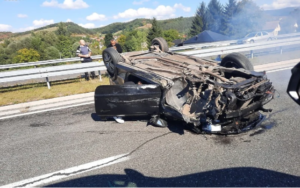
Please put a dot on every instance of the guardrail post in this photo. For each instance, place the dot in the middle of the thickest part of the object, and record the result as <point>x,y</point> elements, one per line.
<point>251,54</point>
<point>100,76</point>
<point>48,83</point>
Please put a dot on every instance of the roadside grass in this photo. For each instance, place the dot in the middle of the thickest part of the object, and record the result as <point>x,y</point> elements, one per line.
<point>39,91</point>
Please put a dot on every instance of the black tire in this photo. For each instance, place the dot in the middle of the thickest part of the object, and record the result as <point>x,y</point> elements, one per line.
<point>237,60</point>
<point>111,58</point>
<point>269,39</point>
<point>162,43</point>
<point>251,41</point>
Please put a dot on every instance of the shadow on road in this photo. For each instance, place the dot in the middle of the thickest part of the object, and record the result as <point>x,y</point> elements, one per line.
<point>245,176</point>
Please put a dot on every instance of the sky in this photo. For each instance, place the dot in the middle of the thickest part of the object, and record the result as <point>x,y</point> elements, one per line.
<point>23,15</point>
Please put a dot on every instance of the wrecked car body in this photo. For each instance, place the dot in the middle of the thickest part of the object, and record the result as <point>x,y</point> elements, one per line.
<point>212,98</point>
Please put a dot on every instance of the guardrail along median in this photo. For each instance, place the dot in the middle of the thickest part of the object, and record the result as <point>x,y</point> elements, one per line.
<point>13,76</point>
<point>226,48</point>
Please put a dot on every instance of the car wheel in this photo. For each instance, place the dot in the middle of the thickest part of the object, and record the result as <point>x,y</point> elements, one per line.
<point>111,58</point>
<point>251,41</point>
<point>162,43</point>
<point>269,39</point>
<point>237,60</point>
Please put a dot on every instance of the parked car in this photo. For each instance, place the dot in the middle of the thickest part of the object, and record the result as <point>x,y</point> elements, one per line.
<point>163,85</point>
<point>256,37</point>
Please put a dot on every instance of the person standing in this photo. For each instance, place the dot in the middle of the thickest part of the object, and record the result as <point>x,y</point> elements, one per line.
<point>115,45</point>
<point>84,52</point>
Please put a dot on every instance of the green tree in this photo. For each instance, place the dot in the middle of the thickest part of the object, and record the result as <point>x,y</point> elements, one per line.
<point>214,16</point>
<point>6,43</point>
<point>65,46</point>
<point>94,46</point>
<point>2,50</point>
<point>10,52</point>
<point>132,42</point>
<point>142,39</point>
<point>26,55</point>
<point>49,37</point>
<point>36,42</point>
<point>199,21</point>
<point>154,32</point>
<point>2,55</point>
<point>62,29</point>
<point>227,27</point>
<point>74,47</point>
<point>11,48</point>
<point>171,35</point>
<point>121,41</point>
<point>52,53</point>
<point>25,43</point>
<point>107,39</point>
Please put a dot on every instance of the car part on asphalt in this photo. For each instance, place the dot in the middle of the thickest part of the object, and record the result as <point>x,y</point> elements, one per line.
<point>210,97</point>
<point>158,122</point>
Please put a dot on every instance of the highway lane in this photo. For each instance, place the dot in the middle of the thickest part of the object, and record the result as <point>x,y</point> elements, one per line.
<point>47,142</point>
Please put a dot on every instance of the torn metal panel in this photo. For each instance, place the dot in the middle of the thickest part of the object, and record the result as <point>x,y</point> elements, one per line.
<point>197,91</point>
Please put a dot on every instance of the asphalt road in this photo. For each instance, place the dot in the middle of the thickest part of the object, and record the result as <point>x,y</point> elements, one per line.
<point>47,142</point>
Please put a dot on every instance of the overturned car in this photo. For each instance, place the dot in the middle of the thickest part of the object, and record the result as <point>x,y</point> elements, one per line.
<point>206,96</point>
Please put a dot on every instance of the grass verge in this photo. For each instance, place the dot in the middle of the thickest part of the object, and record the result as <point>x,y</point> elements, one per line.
<point>39,91</point>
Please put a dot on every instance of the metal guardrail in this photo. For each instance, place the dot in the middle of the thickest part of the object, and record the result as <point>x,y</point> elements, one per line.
<point>214,44</point>
<point>225,43</point>
<point>201,45</point>
<point>243,48</point>
<point>12,76</point>
<point>17,65</point>
<point>19,75</point>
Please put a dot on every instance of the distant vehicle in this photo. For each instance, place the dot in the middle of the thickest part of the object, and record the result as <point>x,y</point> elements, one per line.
<point>256,37</point>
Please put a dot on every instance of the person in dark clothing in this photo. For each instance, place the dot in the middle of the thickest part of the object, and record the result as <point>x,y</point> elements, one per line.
<point>115,45</point>
<point>84,52</point>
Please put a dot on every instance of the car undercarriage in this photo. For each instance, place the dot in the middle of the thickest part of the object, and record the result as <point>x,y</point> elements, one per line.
<point>210,97</point>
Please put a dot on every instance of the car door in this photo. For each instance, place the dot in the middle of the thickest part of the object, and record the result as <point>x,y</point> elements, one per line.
<point>266,36</point>
<point>127,100</point>
<point>259,37</point>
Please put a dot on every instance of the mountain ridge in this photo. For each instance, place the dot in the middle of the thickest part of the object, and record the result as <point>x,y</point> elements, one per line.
<point>182,24</point>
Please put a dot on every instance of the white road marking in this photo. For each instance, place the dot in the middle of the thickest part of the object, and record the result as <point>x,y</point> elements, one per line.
<point>47,110</point>
<point>276,70</point>
<point>58,175</point>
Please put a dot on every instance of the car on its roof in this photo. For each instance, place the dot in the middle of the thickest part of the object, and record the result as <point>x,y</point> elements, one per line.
<point>224,98</point>
<point>256,37</point>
